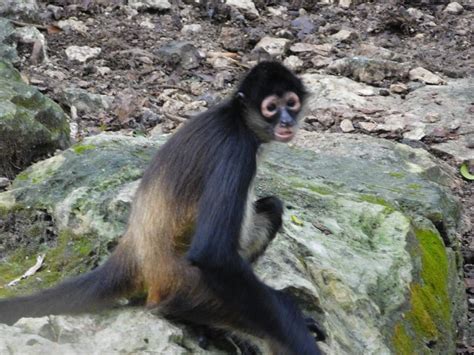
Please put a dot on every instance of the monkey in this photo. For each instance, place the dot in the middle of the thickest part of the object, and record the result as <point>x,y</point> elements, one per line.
<point>194,228</point>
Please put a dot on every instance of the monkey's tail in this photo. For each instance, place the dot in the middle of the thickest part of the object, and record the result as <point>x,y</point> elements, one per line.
<point>89,292</point>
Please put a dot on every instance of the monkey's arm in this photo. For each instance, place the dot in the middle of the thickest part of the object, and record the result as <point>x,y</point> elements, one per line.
<point>222,207</point>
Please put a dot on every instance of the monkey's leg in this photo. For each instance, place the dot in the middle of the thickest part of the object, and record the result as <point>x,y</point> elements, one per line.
<point>235,298</point>
<point>264,222</point>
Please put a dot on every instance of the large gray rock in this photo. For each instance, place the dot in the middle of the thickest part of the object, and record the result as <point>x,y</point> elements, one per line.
<point>369,246</point>
<point>7,41</point>
<point>31,125</point>
<point>19,8</point>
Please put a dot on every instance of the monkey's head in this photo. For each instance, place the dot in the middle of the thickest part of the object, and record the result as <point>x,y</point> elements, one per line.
<point>273,98</point>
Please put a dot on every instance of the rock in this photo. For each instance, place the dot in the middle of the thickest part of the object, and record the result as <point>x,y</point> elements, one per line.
<point>276,47</point>
<point>176,53</point>
<point>459,149</point>
<point>423,75</point>
<point>35,39</point>
<point>372,51</point>
<point>377,199</point>
<point>345,4</point>
<point>346,126</point>
<point>322,49</point>
<point>7,47</point>
<point>31,125</point>
<point>294,63</point>
<point>454,8</point>
<point>320,62</point>
<point>368,126</point>
<point>371,71</point>
<point>304,25</point>
<point>415,13</point>
<point>19,8</point>
<point>399,88</point>
<point>344,36</point>
<point>86,102</point>
<point>82,54</point>
<point>4,182</point>
<point>247,7</point>
<point>416,134</point>
<point>232,39</point>
<point>72,25</point>
<point>146,23</point>
<point>191,29</point>
<point>393,123</point>
<point>150,4</point>
<point>431,117</point>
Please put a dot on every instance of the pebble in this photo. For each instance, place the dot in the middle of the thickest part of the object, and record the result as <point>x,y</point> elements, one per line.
<point>82,54</point>
<point>294,63</point>
<point>415,134</point>
<point>368,126</point>
<point>421,74</point>
<point>276,47</point>
<point>344,36</point>
<point>191,29</point>
<point>4,182</point>
<point>454,8</point>
<point>398,88</point>
<point>347,126</point>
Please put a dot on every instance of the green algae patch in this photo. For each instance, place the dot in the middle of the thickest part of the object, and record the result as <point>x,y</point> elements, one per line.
<point>81,148</point>
<point>427,325</point>
<point>73,254</point>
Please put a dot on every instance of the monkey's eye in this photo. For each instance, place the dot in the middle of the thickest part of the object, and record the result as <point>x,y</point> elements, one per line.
<point>269,106</point>
<point>292,101</point>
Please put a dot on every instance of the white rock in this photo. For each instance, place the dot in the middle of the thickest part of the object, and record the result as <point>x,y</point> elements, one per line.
<point>276,47</point>
<point>191,29</point>
<point>347,126</point>
<point>82,54</point>
<point>104,70</point>
<point>416,13</point>
<point>277,11</point>
<point>4,182</point>
<point>72,25</point>
<point>344,35</point>
<point>293,62</point>
<point>415,134</point>
<point>146,23</point>
<point>368,126</point>
<point>421,74</point>
<point>345,4</point>
<point>454,8</point>
<point>366,92</point>
<point>150,4</point>
<point>398,88</point>
<point>245,5</point>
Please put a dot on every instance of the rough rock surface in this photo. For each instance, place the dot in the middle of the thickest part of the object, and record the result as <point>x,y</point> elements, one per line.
<point>31,125</point>
<point>368,246</point>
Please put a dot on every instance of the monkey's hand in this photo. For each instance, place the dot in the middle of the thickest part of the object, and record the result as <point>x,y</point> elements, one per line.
<point>314,327</point>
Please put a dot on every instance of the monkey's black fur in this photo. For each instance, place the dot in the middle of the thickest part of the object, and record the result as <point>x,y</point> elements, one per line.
<point>208,164</point>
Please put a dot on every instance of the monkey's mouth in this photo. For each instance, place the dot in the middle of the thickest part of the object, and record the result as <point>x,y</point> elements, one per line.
<point>284,134</point>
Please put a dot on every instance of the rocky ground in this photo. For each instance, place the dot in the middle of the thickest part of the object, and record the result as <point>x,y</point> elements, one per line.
<point>138,68</point>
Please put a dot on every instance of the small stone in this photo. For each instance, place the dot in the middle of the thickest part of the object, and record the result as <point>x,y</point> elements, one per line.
<point>294,63</point>
<point>431,117</point>
<point>320,61</point>
<point>415,13</point>
<point>384,92</point>
<point>231,39</point>
<point>454,8</point>
<point>104,70</point>
<point>368,126</point>
<point>470,141</point>
<point>366,92</point>
<point>347,126</point>
<point>344,36</point>
<point>146,23</point>
<point>4,182</point>
<point>191,29</point>
<point>276,47</point>
<point>421,74</point>
<point>176,53</point>
<point>247,6</point>
<point>149,4</point>
<point>345,4</point>
<point>416,134</point>
<point>398,88</point>
<point>82,54</point>
<point>72,25</point>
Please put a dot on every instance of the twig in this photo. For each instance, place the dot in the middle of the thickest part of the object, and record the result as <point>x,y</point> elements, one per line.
<point>24,24</point>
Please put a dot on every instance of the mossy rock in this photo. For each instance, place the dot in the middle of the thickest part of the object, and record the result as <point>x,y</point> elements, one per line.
<point>375,261</point>
<point>31,125</point>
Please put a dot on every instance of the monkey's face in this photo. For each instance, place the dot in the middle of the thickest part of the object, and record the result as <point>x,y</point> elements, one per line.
<point>281,115</point>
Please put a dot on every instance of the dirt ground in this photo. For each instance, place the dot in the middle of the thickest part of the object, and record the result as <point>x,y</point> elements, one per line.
<point>139,75</point>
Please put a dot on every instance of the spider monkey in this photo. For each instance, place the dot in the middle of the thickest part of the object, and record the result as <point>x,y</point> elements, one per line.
<point>194,229</point>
